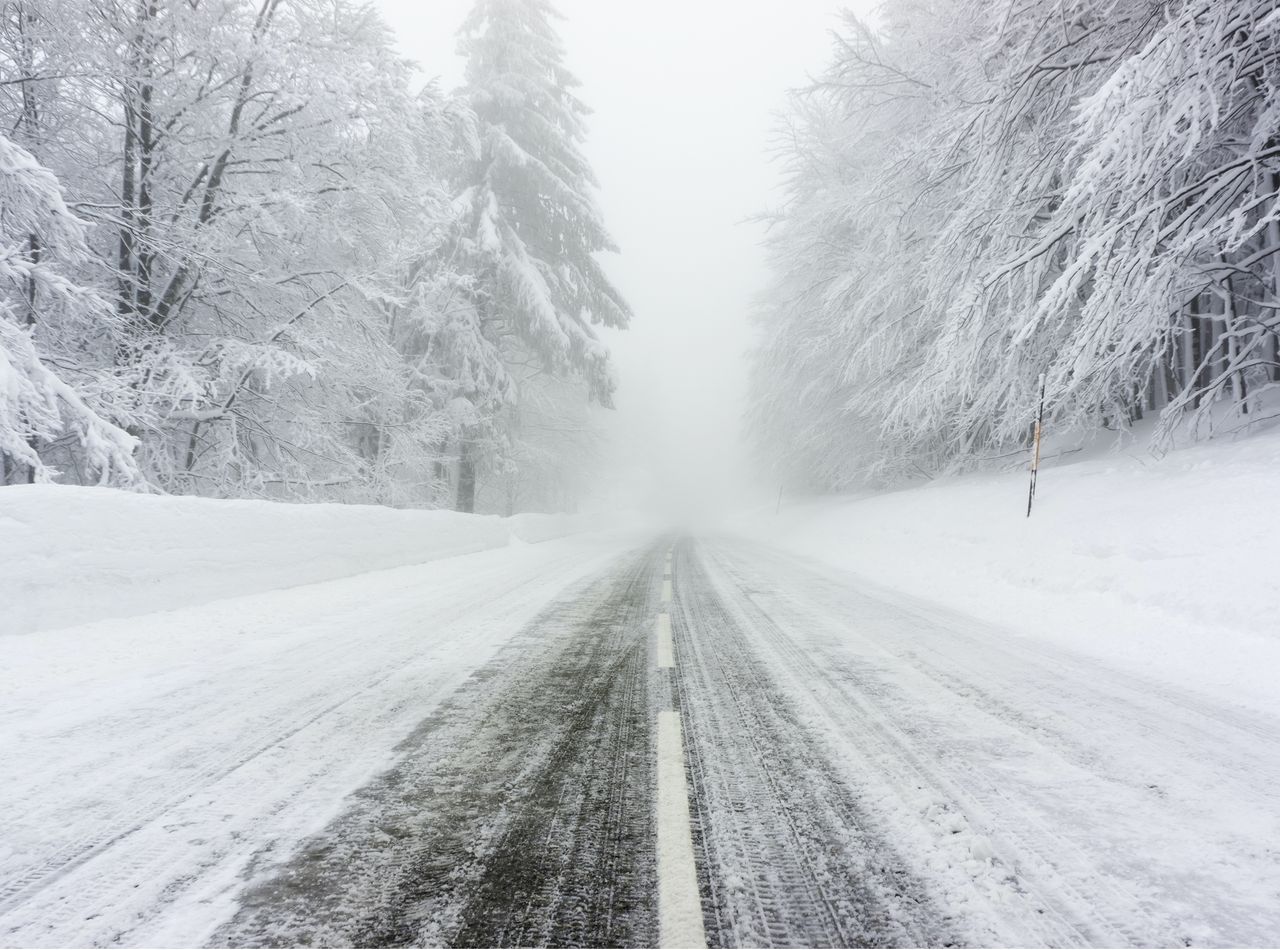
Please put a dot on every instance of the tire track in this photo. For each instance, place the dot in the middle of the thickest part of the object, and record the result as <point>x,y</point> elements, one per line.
<point>856,706</point>
<point>148,832</point>
<point>1151,706</point>
<point>790,857</point>
<point>519,814</point>
<point>946,741</point>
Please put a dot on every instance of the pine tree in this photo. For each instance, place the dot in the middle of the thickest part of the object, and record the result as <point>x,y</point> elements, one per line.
<point>531,227</point>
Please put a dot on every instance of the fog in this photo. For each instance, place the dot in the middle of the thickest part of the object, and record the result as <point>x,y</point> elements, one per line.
<point>685,96</point>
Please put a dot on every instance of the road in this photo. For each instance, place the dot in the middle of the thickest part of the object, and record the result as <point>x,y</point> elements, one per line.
<point>681,742</point>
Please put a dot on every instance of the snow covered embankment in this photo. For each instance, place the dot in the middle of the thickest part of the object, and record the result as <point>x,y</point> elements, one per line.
<point>1168,567</point>
<point>71,555</point>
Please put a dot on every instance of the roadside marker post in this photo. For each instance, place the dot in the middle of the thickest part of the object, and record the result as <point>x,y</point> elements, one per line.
<point>1035,452</point>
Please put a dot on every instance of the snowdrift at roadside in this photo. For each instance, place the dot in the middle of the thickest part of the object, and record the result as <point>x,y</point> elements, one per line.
<point>71,555</point>
<point>1168,565</point>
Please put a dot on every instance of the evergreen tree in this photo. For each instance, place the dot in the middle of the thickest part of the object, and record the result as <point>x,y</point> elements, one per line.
<point>531,227</point>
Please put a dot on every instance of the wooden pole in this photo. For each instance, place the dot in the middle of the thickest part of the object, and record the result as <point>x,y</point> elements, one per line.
<point>1035,453</point>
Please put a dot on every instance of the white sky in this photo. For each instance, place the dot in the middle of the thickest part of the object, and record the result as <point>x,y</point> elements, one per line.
<point>684,93</point>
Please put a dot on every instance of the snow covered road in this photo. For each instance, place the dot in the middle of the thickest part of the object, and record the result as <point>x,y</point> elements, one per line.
<point>469,753</point>
<point>1030,795</point>
<point>147,761</point>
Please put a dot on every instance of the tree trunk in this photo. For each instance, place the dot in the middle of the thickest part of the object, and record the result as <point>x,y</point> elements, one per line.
<point>466,477</point>
<point>1199,351</point>
<point>1187,376</point>
<point>1239,392</point>
<point>1273,241</point>
<point>1160,382</point>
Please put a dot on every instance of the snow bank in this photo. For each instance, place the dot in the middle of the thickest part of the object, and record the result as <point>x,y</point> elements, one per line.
<point>1168,566</point>
<point>70,555</point>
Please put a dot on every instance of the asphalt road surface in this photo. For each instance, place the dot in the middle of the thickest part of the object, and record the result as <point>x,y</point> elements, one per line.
<point>707,742</point>
<point>849,771</point>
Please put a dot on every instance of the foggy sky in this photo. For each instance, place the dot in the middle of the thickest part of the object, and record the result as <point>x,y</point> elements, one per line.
<point>684,93</point>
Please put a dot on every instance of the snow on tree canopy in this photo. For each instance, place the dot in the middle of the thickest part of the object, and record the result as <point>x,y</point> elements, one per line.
<point>37,232</point>
<point>531,221</point>
<point>984,194</point>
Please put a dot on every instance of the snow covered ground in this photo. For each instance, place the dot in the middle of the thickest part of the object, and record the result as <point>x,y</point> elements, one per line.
<point>1061,730</point>
<point>148,758</point>
<point>70,555</point>
<point>1005,791</point>
<point>1167,567</point>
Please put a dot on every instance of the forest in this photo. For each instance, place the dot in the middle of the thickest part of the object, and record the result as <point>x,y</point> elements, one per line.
<point>245,251</point>
<point>987,201</point>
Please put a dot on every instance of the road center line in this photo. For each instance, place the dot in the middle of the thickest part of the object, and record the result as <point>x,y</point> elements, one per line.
<point>679,906</point>
<point>666,648</point>
<point>666,590</point>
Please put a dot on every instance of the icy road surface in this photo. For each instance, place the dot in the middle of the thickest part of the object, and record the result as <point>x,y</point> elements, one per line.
<point>588,742</point>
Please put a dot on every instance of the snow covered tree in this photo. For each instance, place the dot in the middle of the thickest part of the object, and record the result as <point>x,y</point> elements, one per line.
<point>39,237</point>
<point>531,228</point>
<point>450,372</point>
<point>1173,215</point>
<point>278,290</point>
<point>551,457</point>
<point>242,128</point>
<point>982,193</point>
<point>261,173</point>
